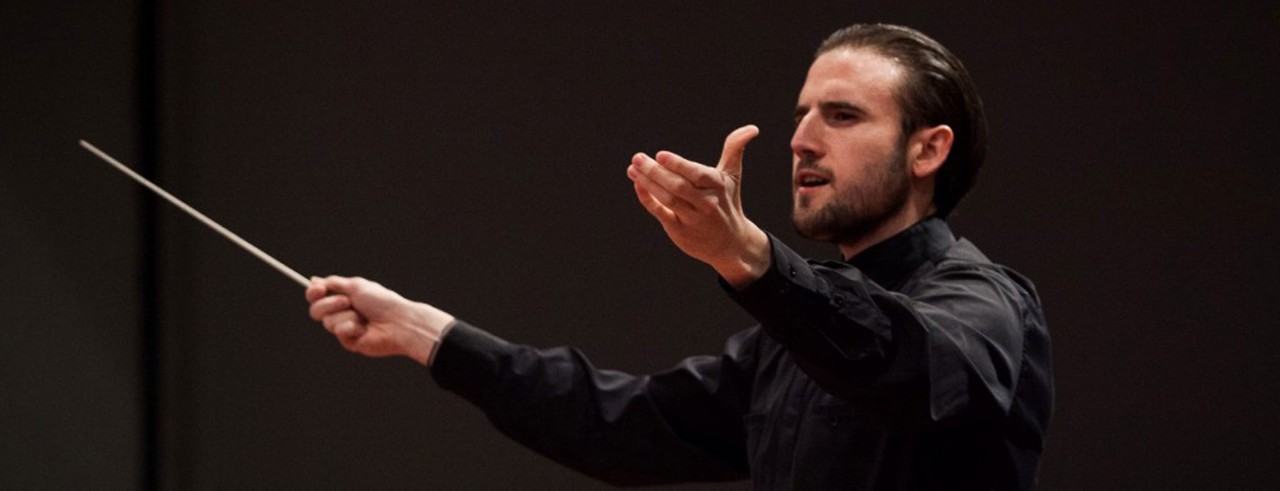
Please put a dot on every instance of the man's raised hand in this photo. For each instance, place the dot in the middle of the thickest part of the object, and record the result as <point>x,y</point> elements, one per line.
<point>700,208</point>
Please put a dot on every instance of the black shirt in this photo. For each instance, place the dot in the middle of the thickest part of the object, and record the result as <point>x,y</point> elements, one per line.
<point>917,364</point>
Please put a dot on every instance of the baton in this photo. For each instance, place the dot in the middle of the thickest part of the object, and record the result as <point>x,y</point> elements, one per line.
<point>287,271</point>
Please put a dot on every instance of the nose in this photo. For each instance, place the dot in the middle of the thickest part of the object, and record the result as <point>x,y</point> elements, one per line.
<point>806,140</point>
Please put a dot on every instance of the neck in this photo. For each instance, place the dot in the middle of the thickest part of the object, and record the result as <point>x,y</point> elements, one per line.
<point>911,213</point>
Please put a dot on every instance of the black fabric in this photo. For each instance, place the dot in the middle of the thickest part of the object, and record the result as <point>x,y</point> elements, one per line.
<point>918,364</point>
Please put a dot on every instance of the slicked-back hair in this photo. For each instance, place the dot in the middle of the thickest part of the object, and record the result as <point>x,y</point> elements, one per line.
<point>936,90</point>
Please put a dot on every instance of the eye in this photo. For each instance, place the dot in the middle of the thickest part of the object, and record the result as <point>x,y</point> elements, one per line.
<point>841,113</point>
<point>842,116</point>
<point>798,117</point>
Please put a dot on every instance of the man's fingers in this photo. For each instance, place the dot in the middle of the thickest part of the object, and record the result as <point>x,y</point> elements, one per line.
<point>662,213</point>
<point>341,284</point>
<point>316,290</point>
<point>734,146</point>
<point>669,189</point>
<point>685,194</point>
<point>329,305</point>
<point>348,330</point>
<point>333,321</point>
<point>657,190</point>
<point>692,172</point>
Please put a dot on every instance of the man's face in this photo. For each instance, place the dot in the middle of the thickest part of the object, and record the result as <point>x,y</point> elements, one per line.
<point>849,170</point>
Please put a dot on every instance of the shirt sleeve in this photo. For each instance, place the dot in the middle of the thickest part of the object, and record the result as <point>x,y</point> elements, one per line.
<point>947,353</point>
<point>681,425</point>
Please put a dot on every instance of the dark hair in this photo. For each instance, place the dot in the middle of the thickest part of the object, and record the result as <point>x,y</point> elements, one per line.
<point>936,90</point>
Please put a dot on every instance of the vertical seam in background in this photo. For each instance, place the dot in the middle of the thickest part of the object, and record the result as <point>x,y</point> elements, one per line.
<point>147,72</point>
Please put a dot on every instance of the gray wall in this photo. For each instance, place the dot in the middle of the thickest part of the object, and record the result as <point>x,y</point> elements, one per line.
<point>473,156</point>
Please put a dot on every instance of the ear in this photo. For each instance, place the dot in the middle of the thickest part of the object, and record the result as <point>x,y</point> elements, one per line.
<point>929,149</point>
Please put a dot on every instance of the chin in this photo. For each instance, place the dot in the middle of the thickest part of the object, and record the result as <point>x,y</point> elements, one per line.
<point>804,224</point>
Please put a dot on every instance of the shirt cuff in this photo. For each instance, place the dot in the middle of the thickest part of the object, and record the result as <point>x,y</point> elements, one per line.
<point>467,359</point>
<point>785,291</point>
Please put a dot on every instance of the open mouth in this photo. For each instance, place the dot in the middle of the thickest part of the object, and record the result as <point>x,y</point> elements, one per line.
<point>809,179</point>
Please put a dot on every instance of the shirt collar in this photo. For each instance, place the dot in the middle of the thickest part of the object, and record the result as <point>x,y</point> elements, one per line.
<point>894,259</point>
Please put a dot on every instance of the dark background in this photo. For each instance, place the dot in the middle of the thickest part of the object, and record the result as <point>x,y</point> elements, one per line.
<point>472,155</point>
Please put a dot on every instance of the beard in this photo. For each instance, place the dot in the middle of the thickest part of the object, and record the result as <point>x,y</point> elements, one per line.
<point>859,205</point>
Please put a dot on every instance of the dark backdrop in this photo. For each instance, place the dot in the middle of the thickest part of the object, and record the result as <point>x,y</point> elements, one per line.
<point>472,155</point>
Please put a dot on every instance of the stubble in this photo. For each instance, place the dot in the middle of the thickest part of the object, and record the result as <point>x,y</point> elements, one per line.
<point>859,206</point>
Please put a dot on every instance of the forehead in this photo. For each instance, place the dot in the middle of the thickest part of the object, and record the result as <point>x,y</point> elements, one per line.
<point>859,76</point>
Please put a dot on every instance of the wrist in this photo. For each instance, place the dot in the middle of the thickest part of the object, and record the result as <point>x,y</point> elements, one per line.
<point>430,326</point>
<point>750,263</point>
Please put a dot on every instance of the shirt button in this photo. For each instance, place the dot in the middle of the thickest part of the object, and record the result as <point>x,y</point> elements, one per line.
<point>793,271</point>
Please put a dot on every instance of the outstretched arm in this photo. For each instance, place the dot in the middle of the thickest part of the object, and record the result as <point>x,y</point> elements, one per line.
<point>681,425</point>
<point>700,208</point>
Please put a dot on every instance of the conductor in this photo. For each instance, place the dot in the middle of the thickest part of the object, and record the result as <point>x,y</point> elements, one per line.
<point>914,363</point>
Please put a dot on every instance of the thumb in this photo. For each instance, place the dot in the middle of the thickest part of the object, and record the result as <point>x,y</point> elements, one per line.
<point>316,290</point>
<point>734,146</point>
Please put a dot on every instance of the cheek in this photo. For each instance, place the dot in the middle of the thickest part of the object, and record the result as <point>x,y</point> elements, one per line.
<point>862,158</point>
<point>850,169</point>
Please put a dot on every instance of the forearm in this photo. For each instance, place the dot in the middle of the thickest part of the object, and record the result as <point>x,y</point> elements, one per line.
<point>835,331</point>
<point>746,263</point>
<point>600,422</point>
<point>949,353</point>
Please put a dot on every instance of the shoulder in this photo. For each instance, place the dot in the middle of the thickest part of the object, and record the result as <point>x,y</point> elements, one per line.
<point>963,265</point>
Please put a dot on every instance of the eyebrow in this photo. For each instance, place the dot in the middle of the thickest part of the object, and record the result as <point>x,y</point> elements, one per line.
<point>832,106</point>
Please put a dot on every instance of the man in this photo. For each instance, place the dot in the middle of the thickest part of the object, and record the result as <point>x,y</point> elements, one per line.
<point>917,363</point>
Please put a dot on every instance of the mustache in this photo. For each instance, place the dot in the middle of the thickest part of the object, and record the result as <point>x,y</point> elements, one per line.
<point>809,162</point>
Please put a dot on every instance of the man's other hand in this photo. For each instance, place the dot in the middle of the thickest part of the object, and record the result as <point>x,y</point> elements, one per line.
<point>369,319</point>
